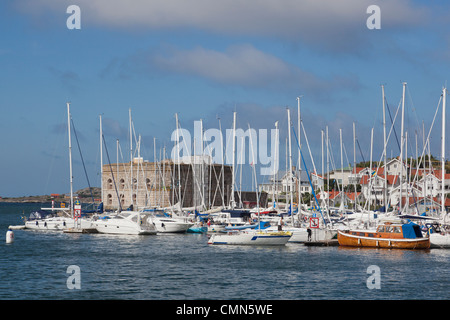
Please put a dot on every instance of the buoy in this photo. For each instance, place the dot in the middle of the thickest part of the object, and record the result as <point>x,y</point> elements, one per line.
<point>9,236</point>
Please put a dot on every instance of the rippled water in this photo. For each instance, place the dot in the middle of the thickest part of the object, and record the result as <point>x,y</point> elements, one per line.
<point>184,266</point>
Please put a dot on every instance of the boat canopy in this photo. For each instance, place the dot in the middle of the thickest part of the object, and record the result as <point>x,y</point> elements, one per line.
<point>411,231</point>
<point>238,213</point>
<point>41,214</point>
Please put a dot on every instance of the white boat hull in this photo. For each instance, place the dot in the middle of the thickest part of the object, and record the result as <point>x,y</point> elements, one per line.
<point>131,223</point>
<point>111,228</point>
<point>251,238</point>
<point>216,228</point>
<point>171,225</point>
<point>300,235</point>
<point>438,240</point>
<point>57,224</point>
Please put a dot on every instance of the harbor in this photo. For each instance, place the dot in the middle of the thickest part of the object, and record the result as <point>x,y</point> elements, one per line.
<point>183,266</point>
<point>166,235</point>
<point>199,155</point>
<point>190,193</point>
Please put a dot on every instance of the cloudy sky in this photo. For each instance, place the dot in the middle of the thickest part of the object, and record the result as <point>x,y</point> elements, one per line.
<point>203,60</point>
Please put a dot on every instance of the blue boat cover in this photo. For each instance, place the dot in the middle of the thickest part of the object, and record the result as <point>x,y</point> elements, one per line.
<point>411,231</point>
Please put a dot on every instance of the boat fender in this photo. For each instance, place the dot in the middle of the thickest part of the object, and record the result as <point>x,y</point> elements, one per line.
<point>37,223</point>
<point>9,236</point>
<point>64,223</point>
<point>45,223</point>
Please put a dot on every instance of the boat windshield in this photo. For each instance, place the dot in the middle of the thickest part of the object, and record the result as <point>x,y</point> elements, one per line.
<point>124,214</point>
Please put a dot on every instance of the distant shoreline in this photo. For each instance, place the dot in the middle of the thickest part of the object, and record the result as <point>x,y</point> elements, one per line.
<point>84,195</point>
<point>29,199</point>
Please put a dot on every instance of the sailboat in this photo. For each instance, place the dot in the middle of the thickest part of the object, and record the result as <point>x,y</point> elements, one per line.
<point>126,222</point>
<point>440,238</point>
<point>60,218</point>
<point>250,236</point>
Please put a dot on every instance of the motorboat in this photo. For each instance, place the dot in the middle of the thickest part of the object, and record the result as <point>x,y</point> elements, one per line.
<point>251,237</point>
<point>125,222</point>
<point>390,235</point>
<point>169,225</point>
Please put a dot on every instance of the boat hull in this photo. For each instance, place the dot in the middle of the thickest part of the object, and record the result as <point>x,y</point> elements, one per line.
<point>346,239</point>
<point>194,229</point>
<point>171,226</point>
<point>251,238</point>
<point>57,224</point>
<point>112,228</point>
<point>438,240</point>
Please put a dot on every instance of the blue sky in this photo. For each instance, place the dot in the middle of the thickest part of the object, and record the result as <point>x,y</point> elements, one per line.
<point>203,60</point>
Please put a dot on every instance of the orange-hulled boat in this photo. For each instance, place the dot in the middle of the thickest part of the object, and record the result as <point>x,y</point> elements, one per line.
<point>387,235</point>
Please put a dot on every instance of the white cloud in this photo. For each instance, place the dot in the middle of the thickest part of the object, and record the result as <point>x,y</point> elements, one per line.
<point>239,65</point>
<point>337,25</point>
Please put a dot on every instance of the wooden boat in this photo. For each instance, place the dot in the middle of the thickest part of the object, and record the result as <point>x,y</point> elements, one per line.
<point>388,235</point>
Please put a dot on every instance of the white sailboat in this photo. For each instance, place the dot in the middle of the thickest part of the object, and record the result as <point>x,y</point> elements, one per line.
<point>441,237</point>
<point>250,236</point>
<point>60,218</point>
<point>49,220</point>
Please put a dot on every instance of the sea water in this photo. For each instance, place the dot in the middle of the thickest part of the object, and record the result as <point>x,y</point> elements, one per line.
<point>39,265</point>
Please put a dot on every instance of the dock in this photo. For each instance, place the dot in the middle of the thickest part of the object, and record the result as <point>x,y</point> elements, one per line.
<point>17,227</point>
<point>322,243</point>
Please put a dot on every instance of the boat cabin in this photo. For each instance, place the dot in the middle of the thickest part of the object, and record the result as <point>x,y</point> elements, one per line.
<point>392,231</point>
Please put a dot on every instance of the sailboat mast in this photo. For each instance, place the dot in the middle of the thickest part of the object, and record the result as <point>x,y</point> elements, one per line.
<point>299,120</point>
<point>131,158</point>
<point>371,165</point>
<point>354,165</point>
<point>70,159</point>
<point>101,158</point>
<point>342,170</point>
<point>232,162</point>
<point>256,180</point>
<point>401,147</point>
<point>444,94</point>
<point>384,150</point>
<point>275,171</point>
<point>222,173</point>
<point>179,160</point>
<point>290,162</point>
